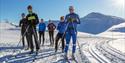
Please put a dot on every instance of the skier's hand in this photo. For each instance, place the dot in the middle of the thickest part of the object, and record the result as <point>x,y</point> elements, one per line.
<point>71,20</point>
<point>32,22</point>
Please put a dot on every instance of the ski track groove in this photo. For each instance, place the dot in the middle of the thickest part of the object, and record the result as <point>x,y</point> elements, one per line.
<point>54,57</point>
<point>111,54</point>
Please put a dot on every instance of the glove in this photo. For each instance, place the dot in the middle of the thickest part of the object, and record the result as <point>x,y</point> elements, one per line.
<point>32,22</point>
<point>71,20</point>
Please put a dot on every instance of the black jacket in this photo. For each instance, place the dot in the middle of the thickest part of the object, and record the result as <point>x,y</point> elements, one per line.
<point>51,26</point>
<point>32,19</point>
<point>23,24</point>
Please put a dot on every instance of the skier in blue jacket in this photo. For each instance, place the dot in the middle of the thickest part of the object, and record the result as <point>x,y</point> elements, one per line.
<point>60,34</point>
<point>72,19</point>
<point>42,28</point>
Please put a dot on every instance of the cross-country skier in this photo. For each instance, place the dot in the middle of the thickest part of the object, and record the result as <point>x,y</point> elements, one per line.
<point>23,24</point>
<point>72,19</point>
<point>60,34</point>
<point>33,20</point>
<point>51,27</point>
<point>42,28</point>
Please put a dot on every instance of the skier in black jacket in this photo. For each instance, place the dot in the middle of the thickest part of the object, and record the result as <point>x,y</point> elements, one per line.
<point>51,27</point>
<point>33,20</point>
<point>23,24</point>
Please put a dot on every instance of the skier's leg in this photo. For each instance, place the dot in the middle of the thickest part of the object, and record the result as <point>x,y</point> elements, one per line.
<point>63,42</point>
<point>22,34</point>
<point>36,40</point>
<point>23,41</point>
<point>52,37</point>
<point>68,37</point>
<point>40,37</point>
<point>31,42</point>
<point>29,34</point>
<point>74,42</point>
<point>43,37</point>
<point>56,42</point>
<point>28,43</point>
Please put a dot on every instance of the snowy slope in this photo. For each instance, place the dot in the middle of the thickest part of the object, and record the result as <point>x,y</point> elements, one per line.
<point>96,23</point>
<point>9,32</point>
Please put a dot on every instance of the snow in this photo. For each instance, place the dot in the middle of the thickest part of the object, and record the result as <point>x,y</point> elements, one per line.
<point>10,36</point>
<point>115,35</point>
<point>117,26</point>
<point>7,34</point>
<point>5,25</point>
<point>119,44</point>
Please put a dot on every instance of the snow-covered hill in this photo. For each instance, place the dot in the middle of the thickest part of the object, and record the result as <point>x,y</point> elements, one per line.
<point>116,31</point>
<point>96,23</point>
<point>8,33</point>
<point>118,28</point>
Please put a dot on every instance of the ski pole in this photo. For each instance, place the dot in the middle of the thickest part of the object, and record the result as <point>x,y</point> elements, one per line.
<point>21,38</point>
<point>64,33</point>
<point>36,38</point>
<point>80,50</point>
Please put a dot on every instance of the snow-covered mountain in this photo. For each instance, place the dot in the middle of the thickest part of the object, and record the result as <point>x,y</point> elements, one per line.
<point>96,23</point>
<point>8,26</point>
<point>116,31</point>
<point>118,28</point>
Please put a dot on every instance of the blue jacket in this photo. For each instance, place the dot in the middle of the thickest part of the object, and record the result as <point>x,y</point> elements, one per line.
<point>72,20</point>
<point>42,26</point>
<point>61,27</point>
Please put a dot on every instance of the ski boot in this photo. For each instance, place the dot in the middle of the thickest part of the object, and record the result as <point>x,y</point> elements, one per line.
<point>73,57</point>
<point>65,57</point>
<point>31,52</point>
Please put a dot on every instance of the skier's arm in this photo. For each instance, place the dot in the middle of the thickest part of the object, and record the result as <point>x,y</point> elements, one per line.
<point>48,26</point>
<point>37,19</point>
<point>58,26</point>
<point>20,23</point>
<point>28,22</point>
<point>78,19</point>
<point>54,26</point>
<point>65,19</point>
<point>44,26</point>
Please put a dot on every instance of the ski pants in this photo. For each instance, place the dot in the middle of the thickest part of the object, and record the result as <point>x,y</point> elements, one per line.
<point>59,36</point>
<point>51,37</point>
<point>24,36</point>
<point>32,33</point>
<point>68,37</point>
<point>41,33</point>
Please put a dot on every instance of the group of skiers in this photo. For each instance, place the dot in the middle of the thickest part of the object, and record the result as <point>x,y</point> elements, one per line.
<point>67,29</point>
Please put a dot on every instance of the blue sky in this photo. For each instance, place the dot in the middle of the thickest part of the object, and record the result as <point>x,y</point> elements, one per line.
<point>53,9</point>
